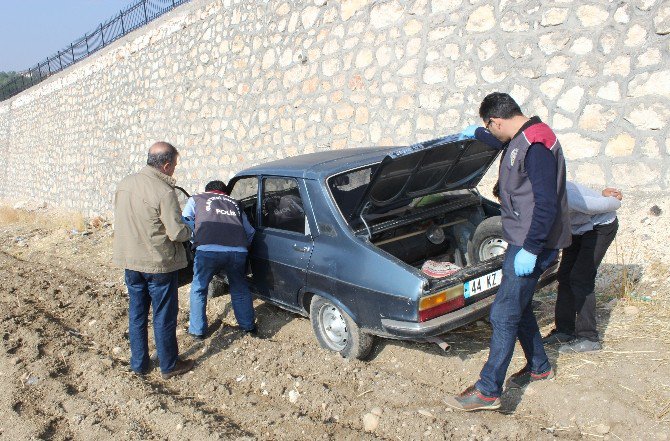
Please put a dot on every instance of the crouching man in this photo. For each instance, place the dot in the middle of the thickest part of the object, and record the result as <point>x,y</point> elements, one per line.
<point>222,236</point>
<point>148,236</point>
<point>594,226</point>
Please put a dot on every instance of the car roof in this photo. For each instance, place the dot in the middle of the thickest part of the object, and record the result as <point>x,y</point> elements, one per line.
<point>320,165</point>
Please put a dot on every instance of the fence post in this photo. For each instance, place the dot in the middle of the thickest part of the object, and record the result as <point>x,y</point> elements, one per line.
<point>72,50</point>
<point>102,35</point>
<point>123,28</point>
<point>146,17</point>
<point>86,38</point>
<point>60,61</point>
<point>48,66</point>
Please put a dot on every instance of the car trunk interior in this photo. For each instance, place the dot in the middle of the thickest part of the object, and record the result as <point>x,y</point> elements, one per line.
<point>412,245</point>
<point>437,228</point>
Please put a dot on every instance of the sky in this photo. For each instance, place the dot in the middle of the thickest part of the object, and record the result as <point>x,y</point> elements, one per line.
<point>31,30</point>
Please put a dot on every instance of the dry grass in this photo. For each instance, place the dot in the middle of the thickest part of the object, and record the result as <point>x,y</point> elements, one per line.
<point>43,219</point>
<point>12,216</point>
<point>627,283</point>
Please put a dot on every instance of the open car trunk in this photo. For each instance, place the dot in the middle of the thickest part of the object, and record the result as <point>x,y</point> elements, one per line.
<point>437,238</point>
<point>420,204</point>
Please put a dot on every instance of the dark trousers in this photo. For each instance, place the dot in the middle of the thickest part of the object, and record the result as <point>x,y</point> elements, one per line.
<point>512,317</point>
<point>205,265</point>
<point>576,301</point>
<point>160,291</point>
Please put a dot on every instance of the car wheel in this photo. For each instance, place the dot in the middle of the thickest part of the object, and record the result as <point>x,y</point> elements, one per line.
<point>189,253</point>
<point>218,286</point>
<point>487,241</point>
<point>336,331</point>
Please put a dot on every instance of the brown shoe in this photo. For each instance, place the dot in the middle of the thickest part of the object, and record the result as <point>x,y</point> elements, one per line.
<point>180,367</point>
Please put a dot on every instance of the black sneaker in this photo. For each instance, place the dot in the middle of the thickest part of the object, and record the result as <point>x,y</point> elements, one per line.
<point>524,377</point>
<point>252,332</point>
<point>472,399</point>
<point>580,345</point>
<point>140,374</point>
<point>196,337</point>
<point>555,337</point>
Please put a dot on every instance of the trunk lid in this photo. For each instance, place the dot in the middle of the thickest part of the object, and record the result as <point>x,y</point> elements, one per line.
<point>430,167</point>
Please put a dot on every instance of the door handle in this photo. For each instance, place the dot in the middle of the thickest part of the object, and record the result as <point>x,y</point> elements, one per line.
<point>300,248</point>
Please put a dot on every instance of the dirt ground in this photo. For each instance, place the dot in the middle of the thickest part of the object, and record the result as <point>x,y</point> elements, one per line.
<point>64,358</point>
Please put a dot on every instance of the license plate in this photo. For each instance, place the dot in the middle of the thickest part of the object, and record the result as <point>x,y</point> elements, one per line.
<point>481,284</point>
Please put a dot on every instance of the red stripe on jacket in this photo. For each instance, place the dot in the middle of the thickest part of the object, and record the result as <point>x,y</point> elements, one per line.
<point>541,133</point>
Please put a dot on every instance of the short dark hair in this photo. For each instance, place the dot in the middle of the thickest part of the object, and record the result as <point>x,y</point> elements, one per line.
<point>498,105</point>
<point>216,186</point>
<point>161,153</point>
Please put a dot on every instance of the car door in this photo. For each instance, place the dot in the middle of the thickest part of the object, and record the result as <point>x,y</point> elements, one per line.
<point>283,242</point>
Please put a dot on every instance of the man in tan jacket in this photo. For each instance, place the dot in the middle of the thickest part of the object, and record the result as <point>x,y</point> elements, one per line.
<point>148,236</point>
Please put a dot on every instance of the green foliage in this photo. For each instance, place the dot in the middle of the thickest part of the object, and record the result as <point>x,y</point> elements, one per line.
<point>6,77</point>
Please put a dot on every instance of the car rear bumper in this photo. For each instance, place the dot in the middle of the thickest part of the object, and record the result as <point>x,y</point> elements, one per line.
<point>438,325</point>
<point>452,320</point>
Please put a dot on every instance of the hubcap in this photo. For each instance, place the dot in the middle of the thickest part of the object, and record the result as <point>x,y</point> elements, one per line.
<point>494,246</point>
<point>334,326</point>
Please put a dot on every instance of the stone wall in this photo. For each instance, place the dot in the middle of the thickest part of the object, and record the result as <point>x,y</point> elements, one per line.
<point>234,83</point>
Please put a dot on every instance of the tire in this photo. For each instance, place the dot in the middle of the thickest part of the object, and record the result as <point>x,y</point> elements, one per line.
<point>217,287</point>
<point>463,233</point>
<point>336,331</point>
<point>487,241</point>
<point>189,253</point>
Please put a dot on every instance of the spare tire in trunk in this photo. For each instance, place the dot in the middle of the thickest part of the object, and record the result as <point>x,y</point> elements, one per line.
<point>487,241</point>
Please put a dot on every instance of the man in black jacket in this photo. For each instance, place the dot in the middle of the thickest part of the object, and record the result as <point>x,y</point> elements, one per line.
<point>222,235</point>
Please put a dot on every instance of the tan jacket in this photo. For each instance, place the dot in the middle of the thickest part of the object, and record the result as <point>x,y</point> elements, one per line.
<point>148,229</point>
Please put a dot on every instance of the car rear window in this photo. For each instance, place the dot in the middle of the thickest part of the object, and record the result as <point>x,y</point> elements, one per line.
<point>348,189</point>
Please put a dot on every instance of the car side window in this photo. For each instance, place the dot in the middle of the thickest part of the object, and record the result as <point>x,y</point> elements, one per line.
<point>245,190</point>
<point>282,205</point>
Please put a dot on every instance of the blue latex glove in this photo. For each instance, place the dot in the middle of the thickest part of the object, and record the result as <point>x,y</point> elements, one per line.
<point>468,132</point>
<point>524,263</point>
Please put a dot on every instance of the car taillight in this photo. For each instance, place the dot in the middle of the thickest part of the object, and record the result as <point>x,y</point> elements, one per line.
<point>438,304</point>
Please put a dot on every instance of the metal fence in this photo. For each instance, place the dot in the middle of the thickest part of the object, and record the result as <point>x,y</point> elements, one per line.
<point>129,19</point>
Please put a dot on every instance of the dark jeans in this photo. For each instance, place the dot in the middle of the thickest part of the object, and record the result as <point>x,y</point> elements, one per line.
<point>576,301</point>
<point>159,290</point>
<point>205,265</point>
<point>512,317</point>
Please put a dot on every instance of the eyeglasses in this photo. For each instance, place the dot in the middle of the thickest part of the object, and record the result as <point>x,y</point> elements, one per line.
<point>488,123</point>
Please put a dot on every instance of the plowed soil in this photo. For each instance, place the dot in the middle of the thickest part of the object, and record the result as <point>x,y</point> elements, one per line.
<point>64,359</point>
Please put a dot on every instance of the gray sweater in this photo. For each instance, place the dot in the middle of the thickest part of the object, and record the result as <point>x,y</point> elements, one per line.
<point>589,208</point>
